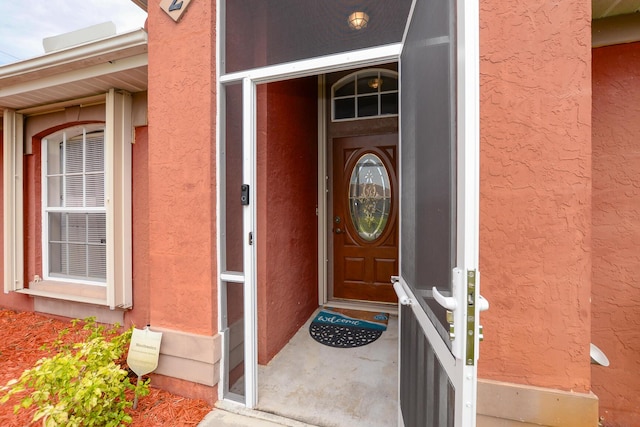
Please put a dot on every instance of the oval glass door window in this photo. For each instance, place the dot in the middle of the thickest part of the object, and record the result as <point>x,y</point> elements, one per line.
<point>369,197</point>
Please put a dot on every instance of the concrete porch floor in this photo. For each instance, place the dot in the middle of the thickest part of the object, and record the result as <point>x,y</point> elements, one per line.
<point>333,387</point>
<point>312,385</point>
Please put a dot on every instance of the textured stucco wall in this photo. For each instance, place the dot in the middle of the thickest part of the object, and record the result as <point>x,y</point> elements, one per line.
<point>616,231</point>
<point>535,191</point>
<point>182,204</point>
<point>287,220</point>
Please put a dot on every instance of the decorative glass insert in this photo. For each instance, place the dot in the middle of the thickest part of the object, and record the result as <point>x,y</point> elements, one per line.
<point>369,197</point>
<point>364,94</point>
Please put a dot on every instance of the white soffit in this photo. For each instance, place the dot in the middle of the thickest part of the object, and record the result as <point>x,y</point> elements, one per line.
<point>80,71</point>
<point>142,4</point>
<point>608,8</point>
<point>617,29</point>
<point>614,22</point>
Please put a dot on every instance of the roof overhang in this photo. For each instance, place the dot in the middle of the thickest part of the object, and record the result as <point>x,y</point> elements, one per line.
<point>79,72</point>
<point>617,29</point>
<point>142,4</point>
<point>614,22</point>
<point>608,8</point>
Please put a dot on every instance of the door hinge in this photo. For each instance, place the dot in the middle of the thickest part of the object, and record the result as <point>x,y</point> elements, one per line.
<point>250,238</point>
<point>403,298</point>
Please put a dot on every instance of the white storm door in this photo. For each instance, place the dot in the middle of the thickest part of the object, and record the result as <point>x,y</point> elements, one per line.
<point>438,286</point>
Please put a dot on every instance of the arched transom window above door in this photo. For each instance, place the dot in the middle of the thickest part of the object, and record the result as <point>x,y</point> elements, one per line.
<point>365,94</point>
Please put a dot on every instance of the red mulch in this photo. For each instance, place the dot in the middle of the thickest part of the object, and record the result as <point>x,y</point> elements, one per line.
<point>21,337</point>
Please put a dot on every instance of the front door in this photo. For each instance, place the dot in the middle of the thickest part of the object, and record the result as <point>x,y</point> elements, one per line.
<point>365,217</point>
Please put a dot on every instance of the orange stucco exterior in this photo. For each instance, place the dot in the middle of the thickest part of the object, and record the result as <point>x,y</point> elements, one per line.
<point>535,192</point>
<point>559,200</point>
<point>140,227</point>
<point>182,266</point>
<point>616,231</point>
<point>287,219</point>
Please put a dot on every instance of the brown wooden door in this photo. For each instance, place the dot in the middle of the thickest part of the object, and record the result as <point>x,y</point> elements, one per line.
<point>364,221</point>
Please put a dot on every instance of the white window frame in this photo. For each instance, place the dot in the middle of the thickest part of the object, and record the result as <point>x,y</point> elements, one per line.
<point>117,291</point>
<point>381,73</point>
<point>63,136</point>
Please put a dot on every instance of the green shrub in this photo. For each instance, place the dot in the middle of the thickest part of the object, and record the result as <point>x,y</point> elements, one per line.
<point>83,384</point>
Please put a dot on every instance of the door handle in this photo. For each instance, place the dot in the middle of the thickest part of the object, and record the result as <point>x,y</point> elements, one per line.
<point>450,303</point>
<point>338,231</point>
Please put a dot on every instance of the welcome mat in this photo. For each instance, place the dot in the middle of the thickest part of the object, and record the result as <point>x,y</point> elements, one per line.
<point>343,328</point>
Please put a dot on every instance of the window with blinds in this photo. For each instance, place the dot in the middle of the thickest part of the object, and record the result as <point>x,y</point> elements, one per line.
<point>74,215</point>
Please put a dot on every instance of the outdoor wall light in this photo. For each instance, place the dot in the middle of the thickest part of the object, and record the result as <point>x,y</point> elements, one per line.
<point>358,20</point>
<point>597,356</point>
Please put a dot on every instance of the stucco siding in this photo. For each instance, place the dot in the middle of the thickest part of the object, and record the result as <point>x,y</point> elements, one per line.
<point>287,220</point>
<point>535,192</point>
<point>181,167</point>
<point>616,231</point>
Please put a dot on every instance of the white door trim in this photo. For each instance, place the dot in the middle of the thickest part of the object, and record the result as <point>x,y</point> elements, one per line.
<point>319,65</point>
<point>323,192</point>
<point>249,215</point>
<point>469,177</point>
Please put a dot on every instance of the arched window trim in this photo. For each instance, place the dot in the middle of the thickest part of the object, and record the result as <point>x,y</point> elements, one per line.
<point>118,137</point>
<point>354,77</point>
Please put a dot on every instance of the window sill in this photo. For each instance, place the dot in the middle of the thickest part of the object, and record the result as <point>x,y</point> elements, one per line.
<point>89,294</point>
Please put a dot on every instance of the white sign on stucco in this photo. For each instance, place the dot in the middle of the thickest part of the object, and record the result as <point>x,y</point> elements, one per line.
<point>144,351</point>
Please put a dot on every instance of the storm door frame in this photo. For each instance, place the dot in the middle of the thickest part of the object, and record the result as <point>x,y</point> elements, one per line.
<point>468,114</point>
<point>250,79</point>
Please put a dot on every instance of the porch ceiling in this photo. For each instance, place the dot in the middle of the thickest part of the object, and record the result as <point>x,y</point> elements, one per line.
<point>121,62</point>
<point>615,22</point>
<point>600,8</point>
<point>608,8</point>
<point>81,71</point>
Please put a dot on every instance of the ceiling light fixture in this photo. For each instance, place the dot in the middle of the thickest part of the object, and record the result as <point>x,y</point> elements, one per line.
<point>375,83</point>
<point>358,20</point>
